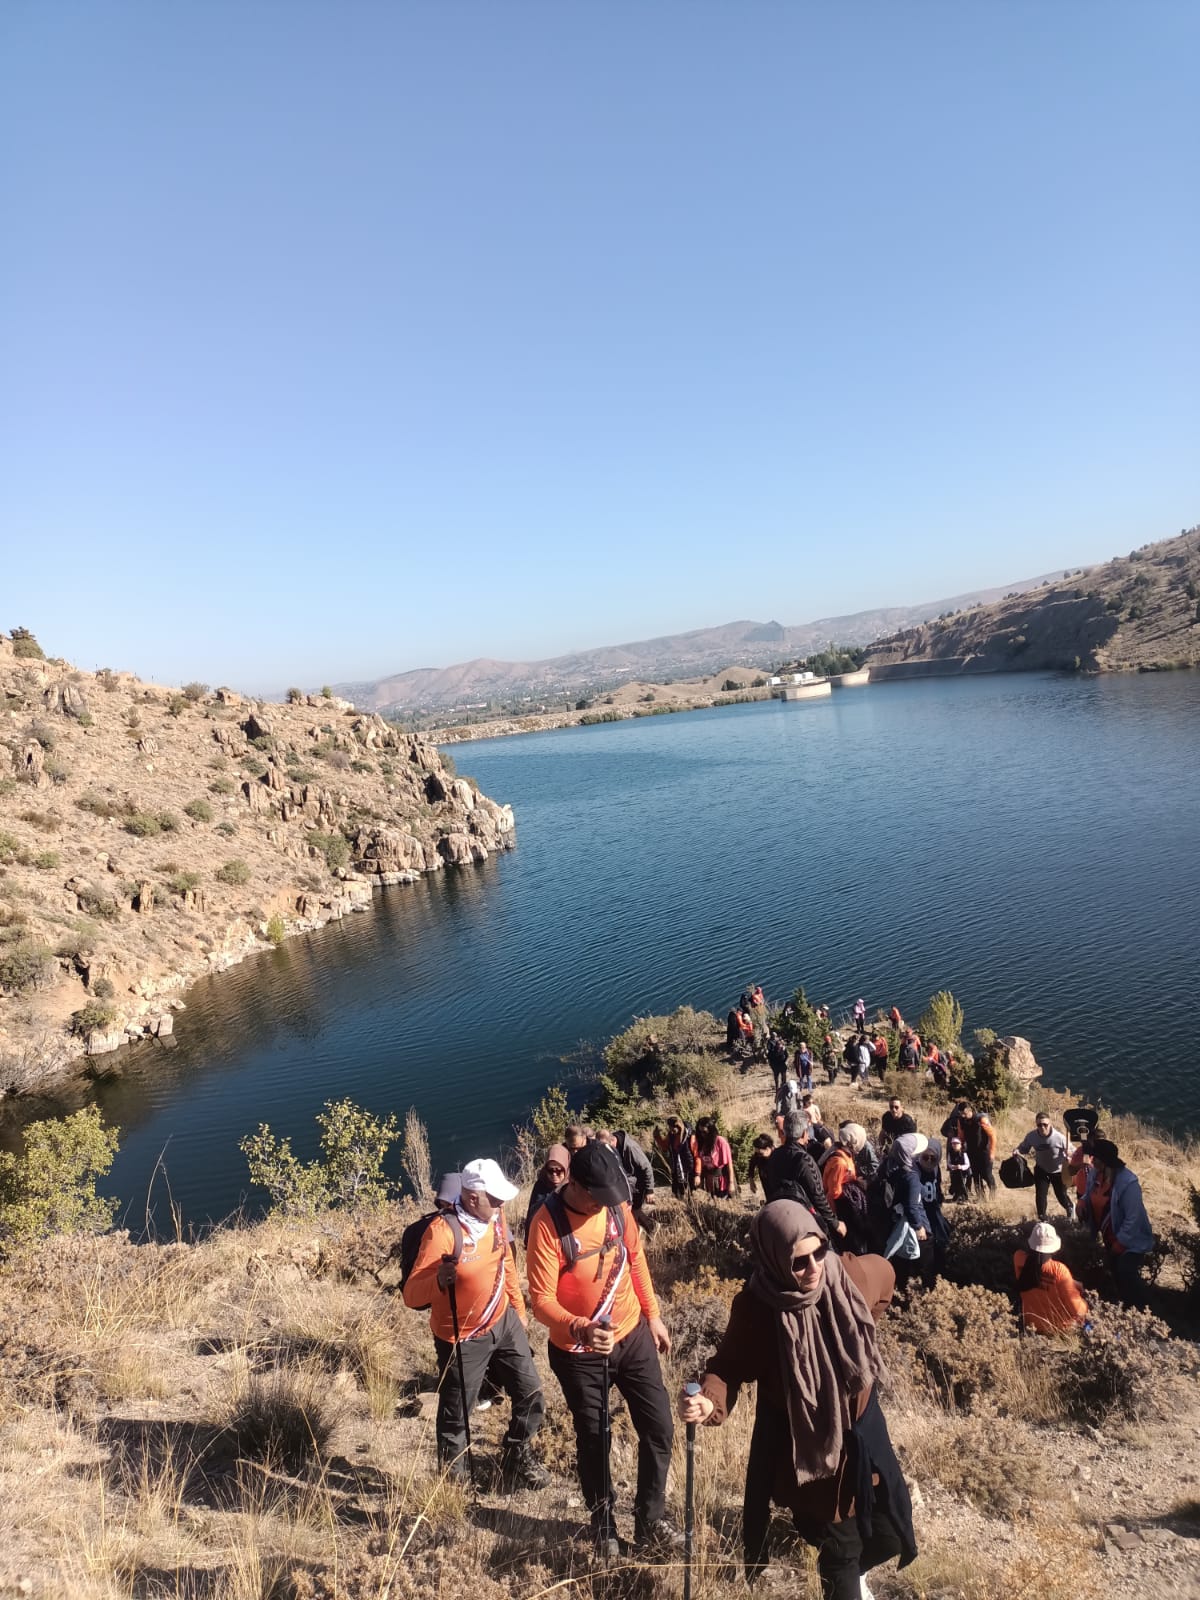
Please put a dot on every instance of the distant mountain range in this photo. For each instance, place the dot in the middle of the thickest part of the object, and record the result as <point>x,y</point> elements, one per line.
<point>1139,612</point>
<point>675,655</point>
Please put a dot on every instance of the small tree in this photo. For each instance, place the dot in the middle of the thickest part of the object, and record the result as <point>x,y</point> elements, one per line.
<point>942,1021</point>
<point>194,692</point>
<point>26,646</point>
<point>51,1186</point>
<point>235,873</point>
<point>415,1160</point>
<point>347,1175</point>
<point>326,692</point>
<point>295,696</point>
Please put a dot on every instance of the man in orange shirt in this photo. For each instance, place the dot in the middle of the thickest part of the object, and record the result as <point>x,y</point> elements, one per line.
<point>590,1285</point>
<point>476,1288</point>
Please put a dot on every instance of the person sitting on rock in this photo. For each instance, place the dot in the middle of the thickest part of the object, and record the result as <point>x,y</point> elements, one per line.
<point>1051,1300</point>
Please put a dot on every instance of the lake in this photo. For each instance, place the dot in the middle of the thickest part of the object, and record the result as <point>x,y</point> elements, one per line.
<point>1029,842</point>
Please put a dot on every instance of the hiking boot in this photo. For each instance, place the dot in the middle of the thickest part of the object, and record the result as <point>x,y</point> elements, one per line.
<point>660,1534</point>
<point>520,1469</point>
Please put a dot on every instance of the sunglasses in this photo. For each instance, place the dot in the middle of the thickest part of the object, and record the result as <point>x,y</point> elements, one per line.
<point>799,1263</point>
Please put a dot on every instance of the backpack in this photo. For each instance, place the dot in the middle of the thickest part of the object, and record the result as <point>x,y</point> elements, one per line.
<point>1015,1173</point>
<point>614,1234</point>
<point>410,1244</point>
<point>854,1193</point>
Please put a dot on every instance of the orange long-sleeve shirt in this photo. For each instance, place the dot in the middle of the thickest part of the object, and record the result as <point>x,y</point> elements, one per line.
<point>1058,1305</point>
<point>566,1300</point>
<point>484,1289</point>
<point>836,1172</point>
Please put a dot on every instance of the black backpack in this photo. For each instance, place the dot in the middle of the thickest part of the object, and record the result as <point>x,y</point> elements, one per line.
<point>614,1233</point>
<point>410,1244</point>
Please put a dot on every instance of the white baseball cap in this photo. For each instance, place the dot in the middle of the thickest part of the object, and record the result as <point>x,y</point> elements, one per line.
<point>486,1175</point>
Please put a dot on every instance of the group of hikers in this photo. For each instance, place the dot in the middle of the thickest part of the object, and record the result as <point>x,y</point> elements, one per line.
<point>849,1218</point>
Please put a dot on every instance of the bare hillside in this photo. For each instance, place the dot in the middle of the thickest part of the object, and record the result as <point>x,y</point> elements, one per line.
<point>151,835</point>
<point>1137,612</point>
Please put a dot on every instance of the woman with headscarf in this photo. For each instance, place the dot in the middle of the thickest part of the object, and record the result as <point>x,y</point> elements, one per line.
<point>845,1189</point>
<point>905,1217</point>
<point>554,1173</point>
<point>803,1331</point>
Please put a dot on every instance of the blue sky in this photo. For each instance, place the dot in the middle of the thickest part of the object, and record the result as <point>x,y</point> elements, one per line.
<point>337,339</point>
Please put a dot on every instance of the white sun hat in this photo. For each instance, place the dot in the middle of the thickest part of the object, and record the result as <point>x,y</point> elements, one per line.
<point>486,1175</point>
<point>1044,1239</point>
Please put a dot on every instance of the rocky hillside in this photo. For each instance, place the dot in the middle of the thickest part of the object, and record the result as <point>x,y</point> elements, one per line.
<point>1138,612</point>
<point>150,835</point>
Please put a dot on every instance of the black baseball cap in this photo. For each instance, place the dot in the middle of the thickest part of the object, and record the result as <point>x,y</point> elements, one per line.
<point>596,1168</point>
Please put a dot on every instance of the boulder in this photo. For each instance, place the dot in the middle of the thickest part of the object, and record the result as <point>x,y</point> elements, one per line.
<point>257,727</point>
<point>143,897</point>
<point>163,1025</point>
<point>460,850</point>
<point>227,697</point>
<point>1019,1059</point>
<point>436,789</point>
<point>463,793</point>
<point>102,1040</point>
<point>273,778</point>
<point>66,697</point>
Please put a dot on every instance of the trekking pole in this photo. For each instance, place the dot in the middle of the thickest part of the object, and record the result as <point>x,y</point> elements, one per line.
<point>605,1437</point>
<point>689,1498</point>
<point>462,1380</point>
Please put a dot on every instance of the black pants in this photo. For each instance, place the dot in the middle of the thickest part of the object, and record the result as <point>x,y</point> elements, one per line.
<point>633,1367</point>
<point>981,1173</point>
<point>501,1354</point>
<point>1127,1270</point>
<point>1043,1182</point>
<point>843,1556</point>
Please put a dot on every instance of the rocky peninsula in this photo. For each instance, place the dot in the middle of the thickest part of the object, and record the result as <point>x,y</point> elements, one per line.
<point>149,836</point>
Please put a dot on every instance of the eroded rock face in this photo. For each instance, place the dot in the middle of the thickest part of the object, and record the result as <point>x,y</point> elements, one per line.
<point>1019,1059</point>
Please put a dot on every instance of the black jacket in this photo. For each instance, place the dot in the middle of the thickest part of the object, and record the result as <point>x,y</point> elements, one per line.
<point>792,1174</point>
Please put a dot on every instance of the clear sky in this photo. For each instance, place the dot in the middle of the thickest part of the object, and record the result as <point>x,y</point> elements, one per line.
<point>342,338</point>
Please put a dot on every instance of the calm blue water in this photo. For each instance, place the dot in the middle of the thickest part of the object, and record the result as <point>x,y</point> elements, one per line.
<point>1029,842</point>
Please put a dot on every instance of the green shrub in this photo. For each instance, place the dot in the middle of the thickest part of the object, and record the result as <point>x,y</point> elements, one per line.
<point>804,1024</point>
<point>24,965</point>
<point>92,1018</point>
<point>44,734</point>
<point>326,692</point>
<point>276,931</point>
<point>25,646</point>
<point>84,719</point>
<point>234,872</point>
<point>97,805</point>
<point>143,825</point>
<point>221,786</point>
<point>107,679</point>
<point>168,821</point>
<point>9,845</point>
<point>348,1174</point>
<point>198,810</point>
<point>227,828</point>
<point>56,770</point>
<point>295,696</point>
<point>194,692</point>
<point>333,847</point>
<point>176,705</point>
<point>361,766</point>
<point>184,882</point>
<point>591,718</point>
<point>50,1188</point>
<point>986,1081</point>
<point>104,989</point>
<point>301,775</point>
<point>96,903</point>
<point>47,860</point>
<point>550,1117</point>
<point>283,1421</point>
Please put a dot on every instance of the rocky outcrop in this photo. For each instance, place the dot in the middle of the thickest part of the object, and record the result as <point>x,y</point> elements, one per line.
<point>173,836</point>
<point>1018,1058</point>
<point>1136,612</point>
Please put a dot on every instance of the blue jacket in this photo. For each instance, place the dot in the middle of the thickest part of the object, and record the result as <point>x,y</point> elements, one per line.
<point>1126,1211</point>
<point>906,1190</point>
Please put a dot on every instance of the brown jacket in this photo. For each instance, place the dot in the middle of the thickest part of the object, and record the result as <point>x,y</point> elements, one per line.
<point>749,1353</point>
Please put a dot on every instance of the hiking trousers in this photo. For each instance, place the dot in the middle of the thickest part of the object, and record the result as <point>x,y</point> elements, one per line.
<point>1043,1182</point>
<point>501,1355</point>
<point>633,1367</point>
<point>843,1555</point>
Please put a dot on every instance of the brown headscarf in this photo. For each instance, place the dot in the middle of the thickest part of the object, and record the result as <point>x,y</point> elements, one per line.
<point>559,1153</point>
<point>827,1342</point>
